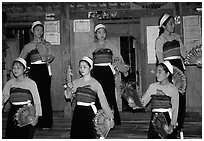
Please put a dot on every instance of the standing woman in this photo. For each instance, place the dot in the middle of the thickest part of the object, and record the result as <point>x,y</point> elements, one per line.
<point>20,91</point>
<point>89,97</point>
<point>105,55</point>
<point>38,51</point>
<point>170,47</point>
<point>164,98</point>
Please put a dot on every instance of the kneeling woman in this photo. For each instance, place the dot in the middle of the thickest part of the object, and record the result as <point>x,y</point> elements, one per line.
<point>164,98</point>
<point>89,97</point>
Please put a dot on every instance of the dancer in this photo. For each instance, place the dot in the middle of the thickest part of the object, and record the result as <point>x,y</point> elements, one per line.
<point>164,98</point>
<point>20,92</point>
<point>38,51</point>
<point>107,59</point>
<point>89,97</point>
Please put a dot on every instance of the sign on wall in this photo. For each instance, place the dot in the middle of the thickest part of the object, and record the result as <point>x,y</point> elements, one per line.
<point>82,25</point>
<point>52,32</point>
<point>53,38</point>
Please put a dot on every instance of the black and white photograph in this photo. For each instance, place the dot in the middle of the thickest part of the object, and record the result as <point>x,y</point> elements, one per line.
<point>101,70</point>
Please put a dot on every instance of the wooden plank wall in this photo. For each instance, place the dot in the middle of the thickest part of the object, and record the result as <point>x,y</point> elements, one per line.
<point>194,89</point>
<point>80,42</point>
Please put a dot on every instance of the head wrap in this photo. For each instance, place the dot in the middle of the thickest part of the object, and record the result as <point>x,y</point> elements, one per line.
<point>87,59</point>
<point>169,66</point>
<point>163,19</point>
<point>22,61</point>
<point>99,26</point>
<point>35,24</point>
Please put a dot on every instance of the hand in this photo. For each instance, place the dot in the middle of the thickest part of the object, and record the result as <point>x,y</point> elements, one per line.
<point>50,58</point>
<point>70,85</point>
<point>111,123</point>
<point>68,93</point>
<point>199,63</point>
<point>131,103</point>
<point>125,74</point>
<point>34,120</point>
<point>168,129</point>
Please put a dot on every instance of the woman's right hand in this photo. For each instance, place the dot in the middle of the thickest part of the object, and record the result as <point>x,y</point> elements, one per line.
<point>111,123</point>
<point>34,120</point>
<point>70,85</point>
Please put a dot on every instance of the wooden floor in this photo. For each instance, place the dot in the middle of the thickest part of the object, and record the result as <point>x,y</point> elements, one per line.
<point>134,126</point>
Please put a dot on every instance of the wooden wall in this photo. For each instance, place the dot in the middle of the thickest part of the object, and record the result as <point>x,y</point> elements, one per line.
<point>194,89</point>
<point>80,42</point>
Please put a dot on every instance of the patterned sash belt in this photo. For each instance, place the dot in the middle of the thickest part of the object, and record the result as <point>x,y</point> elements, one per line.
<point>161,101</point>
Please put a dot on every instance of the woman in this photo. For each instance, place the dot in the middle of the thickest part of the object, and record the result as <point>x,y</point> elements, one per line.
<point>170,47</point>
<point>107,60</point>
<point>20,91</point>
<point>164,98</point>
<point>38,51</point>
<point>89,97</point>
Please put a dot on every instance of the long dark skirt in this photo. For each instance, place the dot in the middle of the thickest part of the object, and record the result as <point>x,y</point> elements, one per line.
<point>82,126</point>
<point>15,132</point>
<point>105,77</point>
<point>152,134</point>
<point>39,74</point>
<point>182,97</point>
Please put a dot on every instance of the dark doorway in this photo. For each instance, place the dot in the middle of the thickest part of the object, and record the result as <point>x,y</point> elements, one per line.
<point>128,53</point>
<point>22,33</point>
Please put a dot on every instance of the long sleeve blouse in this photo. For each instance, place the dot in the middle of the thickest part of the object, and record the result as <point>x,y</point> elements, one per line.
<point>169,90</point>
<point>95,86</point>
<point>28,84</point>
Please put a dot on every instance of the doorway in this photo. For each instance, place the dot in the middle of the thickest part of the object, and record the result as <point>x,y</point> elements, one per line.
<point>127,49</point>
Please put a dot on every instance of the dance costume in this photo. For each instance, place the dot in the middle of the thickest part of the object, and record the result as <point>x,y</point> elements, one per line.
<point>19,94</point>
<point>164,99</point>
<point>103,72</point>
<point>89,97</point>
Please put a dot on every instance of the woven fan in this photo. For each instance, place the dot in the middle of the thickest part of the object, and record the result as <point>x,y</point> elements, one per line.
<point>194,57</point>
<point>159,123</point>
<point>179,80</point>
<point>130,95</point>
<point>25,115</point>
<point>101,123</point>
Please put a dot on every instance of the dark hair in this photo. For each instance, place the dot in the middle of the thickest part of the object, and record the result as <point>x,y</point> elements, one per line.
<point>166,70</point>
<point>38,25</point>
<point>161,29</point>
